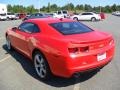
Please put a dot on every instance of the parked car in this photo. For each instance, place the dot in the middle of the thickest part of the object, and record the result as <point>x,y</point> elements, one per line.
<point>117,13</point>
<point>21,15</point>
<point>10,16</point>
<point>49,14</point>
<point>61,47</point>
<point>36,15</point>
<point>86,16</point>
<point>61,14</point>
<point>3,16</point>
<point>16,16</point>
<point>55,15</point>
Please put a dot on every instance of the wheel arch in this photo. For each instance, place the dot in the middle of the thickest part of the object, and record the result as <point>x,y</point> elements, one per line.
<point>38,50</point>
<point>6,34</point>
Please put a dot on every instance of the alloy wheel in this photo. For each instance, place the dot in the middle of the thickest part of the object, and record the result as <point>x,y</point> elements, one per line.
<point>40,65</point>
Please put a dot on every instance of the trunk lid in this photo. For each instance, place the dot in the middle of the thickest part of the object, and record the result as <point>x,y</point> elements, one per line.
<point>94,40</point>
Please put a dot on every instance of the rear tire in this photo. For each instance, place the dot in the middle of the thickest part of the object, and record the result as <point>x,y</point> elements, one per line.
<point>93,19</point>
<point>41,66</point>
<point>75,18</point>
<point>8,43</point>
<point>8,18</point>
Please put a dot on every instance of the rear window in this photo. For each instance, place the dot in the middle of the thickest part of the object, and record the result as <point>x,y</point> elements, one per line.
<point>64,12</point>
<point>2,14</point>
<point>68,28</point>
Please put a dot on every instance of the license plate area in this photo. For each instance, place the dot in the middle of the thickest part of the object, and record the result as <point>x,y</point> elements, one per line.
<point>101,56</point>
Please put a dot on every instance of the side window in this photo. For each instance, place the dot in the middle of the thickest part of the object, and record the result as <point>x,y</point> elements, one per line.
<point>59,12</point>
<point>29,28</point>
<point>26,27</point>
<point>32,15</point>
<point>87,14</point>
<point>36,29</point>
<point>83,14</point>
<point>40,14</point>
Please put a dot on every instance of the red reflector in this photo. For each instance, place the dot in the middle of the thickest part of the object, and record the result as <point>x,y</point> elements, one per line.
<point>84,49</point>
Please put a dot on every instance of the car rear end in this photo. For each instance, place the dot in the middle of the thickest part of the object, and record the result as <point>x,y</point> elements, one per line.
<point>86,49</point>
<point>3,17</point>
<point>89,55</point>
<point>97,16</point>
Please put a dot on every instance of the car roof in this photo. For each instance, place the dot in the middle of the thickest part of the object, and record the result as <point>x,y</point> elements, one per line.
<point>87,12</point>
<point>49,20</point>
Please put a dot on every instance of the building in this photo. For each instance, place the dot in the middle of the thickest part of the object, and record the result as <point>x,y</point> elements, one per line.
<point>3,8</point>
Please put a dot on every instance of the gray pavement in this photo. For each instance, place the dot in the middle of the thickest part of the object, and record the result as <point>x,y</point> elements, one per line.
<point>17,72</point>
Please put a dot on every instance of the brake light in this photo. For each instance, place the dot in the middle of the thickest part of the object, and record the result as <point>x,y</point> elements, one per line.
<point>111,42</point>
<point>77,50</point>
<point>73,50</point>
<point>84,49</point>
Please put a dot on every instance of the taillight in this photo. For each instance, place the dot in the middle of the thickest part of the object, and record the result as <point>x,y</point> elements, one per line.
<point>84,49</point>
<point>111,42</point>
<point>73,50</point>
<point>79,49</point>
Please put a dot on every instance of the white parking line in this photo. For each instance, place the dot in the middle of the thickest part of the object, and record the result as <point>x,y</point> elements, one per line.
<point>5,58</point>
<point>2,38</point>
<point>76,86</point>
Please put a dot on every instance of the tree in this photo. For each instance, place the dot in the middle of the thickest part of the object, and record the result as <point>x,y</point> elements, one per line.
<point>107,9</point>
<point>9,8</point>
<point>114,7</point>
<point>48,7</point>
<point>88,7</point>
<point>54,7</point>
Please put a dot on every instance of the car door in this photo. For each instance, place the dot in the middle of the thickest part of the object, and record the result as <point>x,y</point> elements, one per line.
<point>23,37</point>
<point>85,16</point>
<point>89,16</point>
<point>82,16</point>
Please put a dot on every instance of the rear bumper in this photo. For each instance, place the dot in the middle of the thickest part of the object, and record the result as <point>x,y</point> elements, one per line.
<point>67,66</point>
<point>87,68</point>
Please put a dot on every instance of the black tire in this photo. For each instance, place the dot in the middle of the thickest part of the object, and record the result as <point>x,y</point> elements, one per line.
<point>41,66</point>
<point>93,19</point>
<point>8,18</point>
<point>75,18</point>
<point>8,44</point>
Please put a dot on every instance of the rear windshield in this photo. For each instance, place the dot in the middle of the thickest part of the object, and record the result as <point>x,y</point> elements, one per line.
<point>2,14</point>
<point>65,12</point>
<point>68,28</point>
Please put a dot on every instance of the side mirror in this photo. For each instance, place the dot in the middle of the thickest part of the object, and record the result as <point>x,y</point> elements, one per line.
<point>14,28</point>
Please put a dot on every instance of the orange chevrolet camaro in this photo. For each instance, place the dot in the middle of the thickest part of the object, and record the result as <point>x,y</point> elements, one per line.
<point>61,47</point>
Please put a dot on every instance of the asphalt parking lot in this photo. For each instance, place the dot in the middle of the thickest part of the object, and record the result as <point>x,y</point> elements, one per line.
<point>17,72</point>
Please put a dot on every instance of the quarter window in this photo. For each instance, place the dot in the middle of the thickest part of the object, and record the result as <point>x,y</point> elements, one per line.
<point>29,28</point>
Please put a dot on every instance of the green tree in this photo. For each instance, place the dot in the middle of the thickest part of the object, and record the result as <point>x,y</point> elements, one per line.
<point>114,7</point>
<point>48,7</point>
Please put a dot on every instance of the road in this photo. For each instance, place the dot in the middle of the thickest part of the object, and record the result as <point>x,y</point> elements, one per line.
<point>17,72</point>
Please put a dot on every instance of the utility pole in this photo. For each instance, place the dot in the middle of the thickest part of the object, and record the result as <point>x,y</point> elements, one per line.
<point>39,6</point>
<point>100,7</point>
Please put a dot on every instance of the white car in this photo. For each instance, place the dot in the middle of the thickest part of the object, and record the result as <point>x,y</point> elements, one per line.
<point>117,13</point>
<point>55,15</point>
<point>11,16</point>
<point>3,17</point>
<point>86,16</point>
<point>61,14</point>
